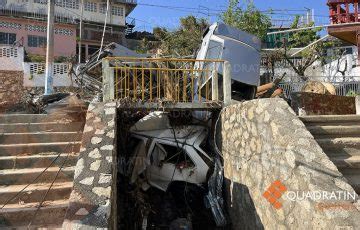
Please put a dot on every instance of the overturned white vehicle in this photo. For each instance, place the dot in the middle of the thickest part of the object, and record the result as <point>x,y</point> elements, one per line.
<point>164,154</point>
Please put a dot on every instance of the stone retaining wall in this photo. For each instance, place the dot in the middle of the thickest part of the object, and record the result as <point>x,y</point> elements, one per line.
<point>11,83</point>
<point>91,200</point>
<point>264,144</point>
<point>318,104</point>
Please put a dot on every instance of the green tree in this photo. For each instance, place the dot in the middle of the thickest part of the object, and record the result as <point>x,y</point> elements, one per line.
<point>301,39</point>
<point>183,41</point>
<point>246,18</point>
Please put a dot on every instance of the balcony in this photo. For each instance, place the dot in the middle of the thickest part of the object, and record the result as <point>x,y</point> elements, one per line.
<point>343,15</point>
<point>39,14</point>
<point>343,11</point>
<point>130,5</point>
<point>96,36</point>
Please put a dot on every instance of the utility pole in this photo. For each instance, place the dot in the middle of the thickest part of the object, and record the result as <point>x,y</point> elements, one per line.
<point>309,15</point>
<point>313,15</point>
<point>49,88</point>
<point>81,29</point>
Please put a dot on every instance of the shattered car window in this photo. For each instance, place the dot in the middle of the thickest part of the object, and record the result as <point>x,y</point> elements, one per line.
<point>177,156</point>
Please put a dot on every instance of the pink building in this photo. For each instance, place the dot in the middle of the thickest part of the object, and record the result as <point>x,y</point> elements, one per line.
<point>25,21</point>
<point>32,35</point>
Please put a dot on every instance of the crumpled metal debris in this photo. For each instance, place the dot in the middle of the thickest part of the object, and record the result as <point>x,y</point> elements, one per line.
<point>214,198</point>
<point>166,154</point>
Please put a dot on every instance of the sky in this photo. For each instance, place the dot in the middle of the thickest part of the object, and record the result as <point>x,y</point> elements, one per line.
<point>166,13</point>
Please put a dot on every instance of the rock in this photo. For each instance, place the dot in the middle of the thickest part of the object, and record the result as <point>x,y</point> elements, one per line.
<point>99,132</point>
<point>95,154</point>
<point>104,178</point>
<point>87,181</point>
<point>79,168</point>
<point>95,165</point>
<point>96,140</point>
<point>82,212</point>
<point>107,147</point>
<point>110,104</point>
<point>100,191</point>
<point>111,134</point>
<point>88,129</point>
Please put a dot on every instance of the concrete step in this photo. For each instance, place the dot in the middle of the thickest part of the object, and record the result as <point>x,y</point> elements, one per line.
<point>41,127</point>
<point>26,176</point>
<point>325,131</point>
<point>36,161</point>
<point>40,137</point>
<point>52,213</point>
<point>342,152</point>
<point>346,162</point>
<point>353,177</point>
<point>339,143</point>
<point>35,192</point>
<point>37,118</point>
<point>34,148</point>
<point>331,119</point>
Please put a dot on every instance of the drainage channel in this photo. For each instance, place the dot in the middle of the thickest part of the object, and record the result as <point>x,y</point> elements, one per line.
<point>167,177</point>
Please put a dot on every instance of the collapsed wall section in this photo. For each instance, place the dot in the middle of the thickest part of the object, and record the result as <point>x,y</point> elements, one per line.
<point>10,88</point>
<point>268,157</point>
<point>93,195</point>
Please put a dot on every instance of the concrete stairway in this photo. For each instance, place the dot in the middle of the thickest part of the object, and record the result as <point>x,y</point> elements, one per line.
<point>28,146</point>
<point>339,136</point>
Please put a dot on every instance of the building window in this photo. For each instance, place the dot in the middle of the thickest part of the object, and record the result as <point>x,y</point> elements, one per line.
<point>102,8</point>
<point>36,41</point>
<point>90,6</point>
<point>40,1</point>
<point>7,38</point>
<point>118,11</point>
<point>72,4</point>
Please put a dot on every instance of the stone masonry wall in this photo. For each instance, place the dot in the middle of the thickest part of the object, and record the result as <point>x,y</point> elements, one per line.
<point>318,104</point>
<point>11,83</point>
<point>92,196</point>
<point>264,144</point>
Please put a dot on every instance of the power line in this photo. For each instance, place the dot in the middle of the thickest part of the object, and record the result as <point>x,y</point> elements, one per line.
<point>191,9</point>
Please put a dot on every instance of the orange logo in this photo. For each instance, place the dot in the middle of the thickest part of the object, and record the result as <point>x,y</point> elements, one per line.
<point>274,193</point>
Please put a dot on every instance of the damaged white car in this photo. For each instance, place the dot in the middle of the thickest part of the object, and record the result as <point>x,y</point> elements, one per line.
<point>164,154</point>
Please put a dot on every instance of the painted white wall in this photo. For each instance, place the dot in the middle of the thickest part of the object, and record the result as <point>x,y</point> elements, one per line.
<point>329,72</point>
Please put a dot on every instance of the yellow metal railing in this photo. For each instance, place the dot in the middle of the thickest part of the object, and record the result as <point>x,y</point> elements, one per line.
<point>160,79</point>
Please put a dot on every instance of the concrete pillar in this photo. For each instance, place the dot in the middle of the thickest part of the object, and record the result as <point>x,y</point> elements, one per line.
<point>357,104</point>
<point>108,81</point>
<point>49,81</point>
<point>358,46</point>
<point>227,83</point>
<point>81,29</point>
<point>215,85</point>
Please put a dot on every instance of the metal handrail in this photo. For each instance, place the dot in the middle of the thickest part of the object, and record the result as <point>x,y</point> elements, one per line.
<point>165,79</point>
